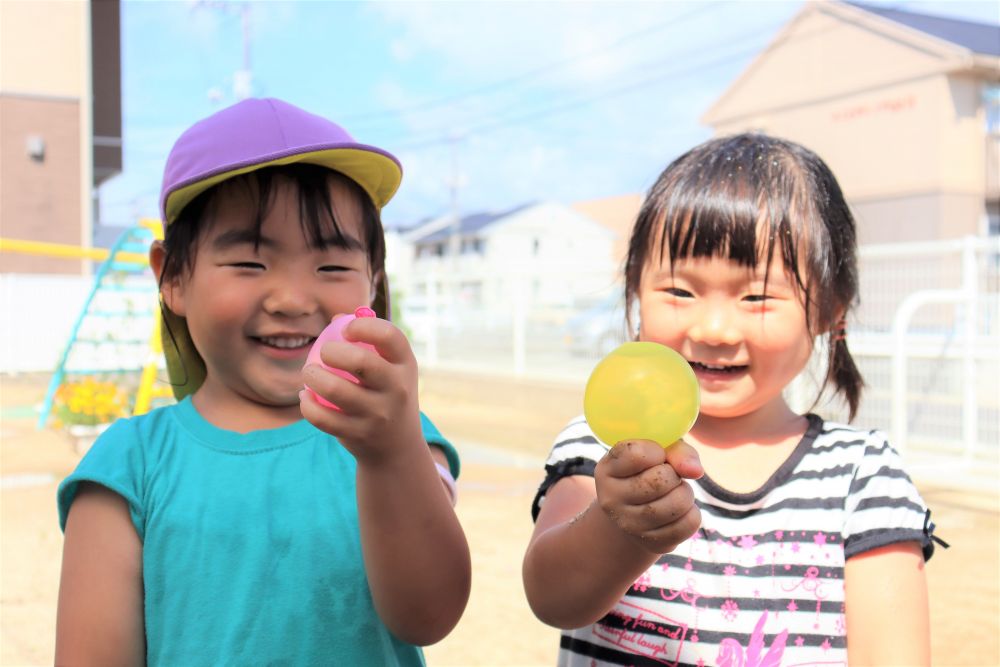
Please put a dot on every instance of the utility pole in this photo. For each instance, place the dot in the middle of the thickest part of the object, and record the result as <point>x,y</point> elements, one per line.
<point>455,236</point>
<point>243,77</point>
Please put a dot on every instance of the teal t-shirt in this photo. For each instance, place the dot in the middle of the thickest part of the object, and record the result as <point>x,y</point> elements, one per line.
<point>251,547</point>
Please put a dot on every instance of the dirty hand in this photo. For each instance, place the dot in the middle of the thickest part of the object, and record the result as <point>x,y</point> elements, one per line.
<point>641,489</point>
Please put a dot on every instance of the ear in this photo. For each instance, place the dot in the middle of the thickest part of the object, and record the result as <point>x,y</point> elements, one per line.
<point>171,292</point>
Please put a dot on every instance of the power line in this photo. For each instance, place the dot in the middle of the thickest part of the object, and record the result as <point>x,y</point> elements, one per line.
<point>502,120</point>
<point>505,83</point>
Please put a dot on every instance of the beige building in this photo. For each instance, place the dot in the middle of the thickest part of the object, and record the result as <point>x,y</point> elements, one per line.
<point>617,213</point>
<point>904,107</point>
<point>60,122</point>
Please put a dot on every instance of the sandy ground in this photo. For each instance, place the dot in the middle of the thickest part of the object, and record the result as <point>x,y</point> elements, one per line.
<point>503,428</point>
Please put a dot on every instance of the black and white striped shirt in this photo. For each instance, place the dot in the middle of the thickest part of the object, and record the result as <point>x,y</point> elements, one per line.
<point>762,581</point>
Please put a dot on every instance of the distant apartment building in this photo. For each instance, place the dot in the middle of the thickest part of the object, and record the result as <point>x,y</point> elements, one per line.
<point>904,107</point>
<point>60,123</point>
<point>544,253</point>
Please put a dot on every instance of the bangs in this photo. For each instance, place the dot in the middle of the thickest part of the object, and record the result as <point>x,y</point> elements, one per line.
<point>744,198</point>
<point>317,217</point>
<point>730,208</point>
<point>747,198</point>
<point>711,226</point>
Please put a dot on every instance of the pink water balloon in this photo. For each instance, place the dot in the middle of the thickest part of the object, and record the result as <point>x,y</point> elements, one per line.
<point>335,331</point>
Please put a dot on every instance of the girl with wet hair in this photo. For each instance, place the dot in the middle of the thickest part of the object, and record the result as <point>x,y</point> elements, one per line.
<point>766,536</point>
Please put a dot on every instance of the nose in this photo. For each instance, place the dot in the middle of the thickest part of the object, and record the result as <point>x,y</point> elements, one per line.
<point>289,299</point>
<point>715,326</point>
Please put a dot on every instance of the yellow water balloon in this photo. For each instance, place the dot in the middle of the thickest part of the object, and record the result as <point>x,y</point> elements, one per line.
<point>641,391</point>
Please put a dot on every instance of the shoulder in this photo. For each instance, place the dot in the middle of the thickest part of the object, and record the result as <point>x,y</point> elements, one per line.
<point>882,504</point>
<point>146,431</point>
<point>126,437</point>
<point>863,453</point>
<point>576,441</point>
<point>119,459</point>
<point>836,435</point>
<point>576,451</point>
<point>846,444</point>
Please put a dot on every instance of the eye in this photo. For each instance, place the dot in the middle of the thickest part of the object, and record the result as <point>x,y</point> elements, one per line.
<point>247,265</point>
<point>678,292</point>
<point>756,298</point>
<point>333,268</point>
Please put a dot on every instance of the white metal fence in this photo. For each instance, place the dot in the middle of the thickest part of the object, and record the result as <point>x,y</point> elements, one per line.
<point>926,337</point>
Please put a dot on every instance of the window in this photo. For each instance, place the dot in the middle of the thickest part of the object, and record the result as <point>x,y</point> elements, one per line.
<point>432,250</point>
<point>472,246</point>
<point>991,102</point>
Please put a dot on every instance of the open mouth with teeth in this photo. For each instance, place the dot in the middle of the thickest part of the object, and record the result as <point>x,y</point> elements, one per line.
<point>721,370</point>
<point>286,342</point>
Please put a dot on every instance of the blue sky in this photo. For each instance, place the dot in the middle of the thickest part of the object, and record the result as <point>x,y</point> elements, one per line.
<point>515,101</point>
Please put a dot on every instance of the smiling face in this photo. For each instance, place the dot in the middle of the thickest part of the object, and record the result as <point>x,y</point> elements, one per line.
<point>718,220</point>
<point>254,305</point>
<point>743,329</point>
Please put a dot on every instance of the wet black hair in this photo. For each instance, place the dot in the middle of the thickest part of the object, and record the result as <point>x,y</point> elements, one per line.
<point>316,215</point>
<point>744,198</point>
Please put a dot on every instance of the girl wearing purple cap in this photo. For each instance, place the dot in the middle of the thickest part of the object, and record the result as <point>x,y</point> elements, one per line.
<point>768,536</point>
<point>227,529</point>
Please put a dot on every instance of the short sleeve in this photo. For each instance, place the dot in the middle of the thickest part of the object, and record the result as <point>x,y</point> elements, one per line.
<point>882,505</point>
<point>433,437</point>
<point>116,462</point>
<point>576,451</point>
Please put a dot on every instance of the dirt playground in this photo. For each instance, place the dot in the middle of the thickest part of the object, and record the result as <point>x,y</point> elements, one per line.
<point>503,428</point>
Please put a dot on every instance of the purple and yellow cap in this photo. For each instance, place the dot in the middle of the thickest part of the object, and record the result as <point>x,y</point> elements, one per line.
<point>242,138</point>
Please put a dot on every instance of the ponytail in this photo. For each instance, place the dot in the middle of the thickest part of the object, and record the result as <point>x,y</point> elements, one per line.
<point>843,373</point>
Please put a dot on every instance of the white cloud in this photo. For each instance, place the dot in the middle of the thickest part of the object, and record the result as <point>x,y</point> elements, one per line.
<point>199,20</point>
<point>401,50</point>
<point>490,40</point>
<point>391,94</point>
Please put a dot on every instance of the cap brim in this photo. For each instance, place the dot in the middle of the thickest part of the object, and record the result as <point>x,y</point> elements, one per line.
<point>377,173</point>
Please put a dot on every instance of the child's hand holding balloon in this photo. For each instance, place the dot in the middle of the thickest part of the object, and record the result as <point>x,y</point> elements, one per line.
<point>334,331</point>
<point>640,488</point>
<point>643,397</point>
<point>361,386</point>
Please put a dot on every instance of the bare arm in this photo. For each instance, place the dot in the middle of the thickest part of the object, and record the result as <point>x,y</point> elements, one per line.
<point>597,536</point>
<point>416,556</point>
<point>887,609</point>
<point>100,619</point>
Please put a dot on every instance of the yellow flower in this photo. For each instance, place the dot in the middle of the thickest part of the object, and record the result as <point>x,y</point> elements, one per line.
<point>89,401</point>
